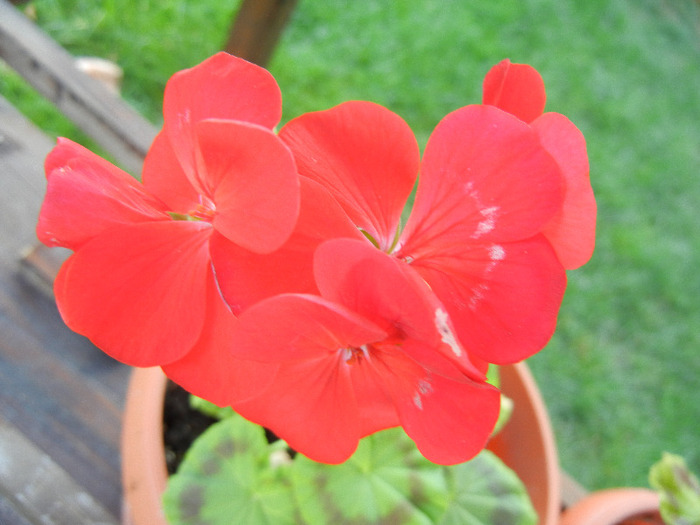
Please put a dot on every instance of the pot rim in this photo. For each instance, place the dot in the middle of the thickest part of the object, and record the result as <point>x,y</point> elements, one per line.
<point>611,506</point>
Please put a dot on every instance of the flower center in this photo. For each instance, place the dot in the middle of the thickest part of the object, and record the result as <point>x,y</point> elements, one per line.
<point>355,355</point>
<point>201,212</point>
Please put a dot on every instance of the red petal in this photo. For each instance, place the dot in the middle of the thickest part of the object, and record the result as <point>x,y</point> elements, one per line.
<point>66,150</point>
<point>572,230</point>
<point>387,292</point>
<point>86,195</point>
<point>485,177</point>
<point>221,87</point>
<point>368,281</point>
<point>375,407</point>
<point>502,298</point>
<point>515,88</point>
<point>365,155</point>
<point>295,327</point>
<point>246,277</point>
<point>253,181</point>
<point>139,291</point>
<point>210,369</point>
<point>163,176</point>
<point>311,405</point>
<point>449,420</point>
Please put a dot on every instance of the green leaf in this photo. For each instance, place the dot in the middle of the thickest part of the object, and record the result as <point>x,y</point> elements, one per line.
<point>386,481</point>
<point>232,475</point>
<point>229,476</point>
<point>493,376</point>
<point>210,409</point>
<point>679,490</point>
<point>485,491</point>
<point>506,411</point>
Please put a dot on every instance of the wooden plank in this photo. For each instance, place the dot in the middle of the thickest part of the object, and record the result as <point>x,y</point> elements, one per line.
<point>22,151</point>
<point>10,513</point>
<point>40,489</point>
<point>111,122</point>
<point>59,392</point>
<point>257,29</point>
<point>41,265</point>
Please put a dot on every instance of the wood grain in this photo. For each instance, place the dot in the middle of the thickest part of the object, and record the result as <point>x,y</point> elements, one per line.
<point>60,397</point>
<point>100,113</point>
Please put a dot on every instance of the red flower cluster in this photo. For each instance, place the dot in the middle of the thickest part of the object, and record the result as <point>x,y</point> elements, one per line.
<point>270,272</point>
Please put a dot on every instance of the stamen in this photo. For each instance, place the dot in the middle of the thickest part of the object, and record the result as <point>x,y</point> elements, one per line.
<point>354,355</point>
<point>202,213</point>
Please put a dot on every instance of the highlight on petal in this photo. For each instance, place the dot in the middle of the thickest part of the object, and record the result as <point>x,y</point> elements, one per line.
<point>572,230</point>
<point>485,176</point>
<point>252,179</point>
<point>139,291</point>
<point>221,87</point>
<point>246,277</point>
<point>210,370</point>
<point>365,155</point>
<point>86,195</point>
<point>449,420</point>
<point>164,177</point>
<point>502,298</point>
<point>515,88</point>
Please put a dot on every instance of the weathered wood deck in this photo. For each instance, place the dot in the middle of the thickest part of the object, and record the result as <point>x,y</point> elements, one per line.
<point>60,397</point>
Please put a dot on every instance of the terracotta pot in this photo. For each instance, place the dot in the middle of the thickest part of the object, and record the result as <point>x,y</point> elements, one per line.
<point>526,444</point>
<point>144,473</point>
<point>615,506</point>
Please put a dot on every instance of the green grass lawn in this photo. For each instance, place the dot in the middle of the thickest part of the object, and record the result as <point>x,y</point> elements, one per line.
<point>621,375</point>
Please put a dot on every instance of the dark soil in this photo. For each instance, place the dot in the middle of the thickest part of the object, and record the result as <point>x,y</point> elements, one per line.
<point>651,518</point>
<point>181,425</point>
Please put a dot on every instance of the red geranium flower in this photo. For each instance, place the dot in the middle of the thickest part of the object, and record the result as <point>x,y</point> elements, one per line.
<point>482,230</point>
<point>141,284</point>
<point>374,351</point>
<point>246,277</point>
